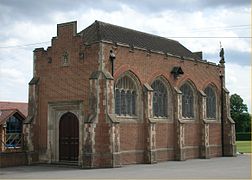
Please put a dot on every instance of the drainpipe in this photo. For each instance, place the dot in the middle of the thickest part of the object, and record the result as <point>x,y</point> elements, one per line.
<point>112,58</point>
<point>222,114</point>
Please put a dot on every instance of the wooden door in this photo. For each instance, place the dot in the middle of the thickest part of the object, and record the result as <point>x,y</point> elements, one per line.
<point>68,137</point>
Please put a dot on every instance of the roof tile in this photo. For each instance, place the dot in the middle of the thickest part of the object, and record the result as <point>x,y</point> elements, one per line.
<point>6,113</point>
<point>22,107</point>
<point>100,31</point>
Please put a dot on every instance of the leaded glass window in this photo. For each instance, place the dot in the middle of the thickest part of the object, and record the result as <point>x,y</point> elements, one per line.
<point>125,97</point>
<point>118,102</point>
<point>128,102</point>
<point>159,103</point>
<point>210,102</point>
<point>13,132</point>
<point>187,101</point>
<point>133,102</point>
<point>123,102</point>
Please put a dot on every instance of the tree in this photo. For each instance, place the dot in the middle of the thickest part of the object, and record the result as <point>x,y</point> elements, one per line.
<point>239,113</point>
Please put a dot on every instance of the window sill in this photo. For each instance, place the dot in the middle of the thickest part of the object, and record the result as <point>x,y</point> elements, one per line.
<point>65,65</point>
<point>162,119</point>
<point>209,121</point>
<point>128,119</point>
<point>189,120</point>
<point>12,147</point>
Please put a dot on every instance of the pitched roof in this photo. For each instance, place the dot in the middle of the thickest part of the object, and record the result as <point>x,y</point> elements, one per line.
<point>6,113</point>
<point>99,31</point>
<point>22,107</point>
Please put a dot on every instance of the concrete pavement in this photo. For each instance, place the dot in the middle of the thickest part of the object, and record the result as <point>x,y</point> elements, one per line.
<point>222,167</point>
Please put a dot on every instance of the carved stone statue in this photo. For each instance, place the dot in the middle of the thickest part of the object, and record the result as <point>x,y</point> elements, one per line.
<point>222,53</point>
<point>222,60</point>
<point>65,58</point>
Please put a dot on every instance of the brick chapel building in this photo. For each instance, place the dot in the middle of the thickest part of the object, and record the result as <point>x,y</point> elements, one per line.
<point>109,96</point>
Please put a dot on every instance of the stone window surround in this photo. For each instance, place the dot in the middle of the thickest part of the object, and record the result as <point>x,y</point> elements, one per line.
<point>138,102</point>
<point>65,59</point>
<point>210,103</point>
<point>217,104</point>
<point>159,102</point>
<point>195,103</point>
<point>55,112</point>
<point>169,99</point>
<point>129,92</point>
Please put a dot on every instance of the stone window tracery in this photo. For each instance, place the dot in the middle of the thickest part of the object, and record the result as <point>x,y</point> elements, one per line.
<point>125,97</point>
<point>159,103</point>
<point>187,101</point>
<point>13,132</point>
<point>210,103</point>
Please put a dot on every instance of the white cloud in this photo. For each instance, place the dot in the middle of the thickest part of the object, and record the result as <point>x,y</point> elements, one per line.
<point>12,76</point>
<point>171,23</point>
<point>14,85</point>
<point>10,42</point>
<point>16,63</point>
<point>238,80</point>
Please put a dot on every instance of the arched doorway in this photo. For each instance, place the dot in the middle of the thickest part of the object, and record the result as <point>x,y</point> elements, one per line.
<point>68,137</point>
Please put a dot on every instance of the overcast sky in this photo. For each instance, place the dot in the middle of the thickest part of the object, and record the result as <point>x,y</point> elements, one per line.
<point>28,24</point>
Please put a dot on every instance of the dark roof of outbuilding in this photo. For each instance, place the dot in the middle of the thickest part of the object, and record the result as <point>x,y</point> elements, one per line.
<point>21,106</point>
<point>99,31</point>
<point>6,113</point>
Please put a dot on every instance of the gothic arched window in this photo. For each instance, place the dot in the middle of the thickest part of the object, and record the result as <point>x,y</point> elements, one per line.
<point>210,102</point>
<point>159,103</point>
<point>187,101</point>
<point>13,132</point>
<point>125,97</point>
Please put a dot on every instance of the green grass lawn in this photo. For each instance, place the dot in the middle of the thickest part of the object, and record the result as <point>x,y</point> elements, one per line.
<point>243,146</point>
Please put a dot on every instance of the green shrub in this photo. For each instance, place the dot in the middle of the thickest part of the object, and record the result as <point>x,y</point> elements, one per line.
<point>243,136</point>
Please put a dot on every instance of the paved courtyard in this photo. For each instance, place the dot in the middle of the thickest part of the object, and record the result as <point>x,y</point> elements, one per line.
<point>224,167</point>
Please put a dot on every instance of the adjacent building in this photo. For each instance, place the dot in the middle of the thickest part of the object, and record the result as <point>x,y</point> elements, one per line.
<point>12,117</point>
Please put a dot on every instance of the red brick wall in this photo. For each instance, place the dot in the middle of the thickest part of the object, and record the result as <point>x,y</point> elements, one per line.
<point>132,140</point>
<point>192,139</point>
<point>148,67</point>
<point>132,157</point>
<point>59,83</point>
<point>215,133</point>
<point>192,152</point>
<point>102,146</point>
<point>215,139</point>
<point>164,135</point>
<point>165,155</point>
<point>12,159</point>
<point>132,136</point>
<point>165,141</point>
<point>192,134</point>
<point>215,151</point>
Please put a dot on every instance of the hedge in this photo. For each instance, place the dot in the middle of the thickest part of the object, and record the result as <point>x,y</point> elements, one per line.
<point>243,136</point>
